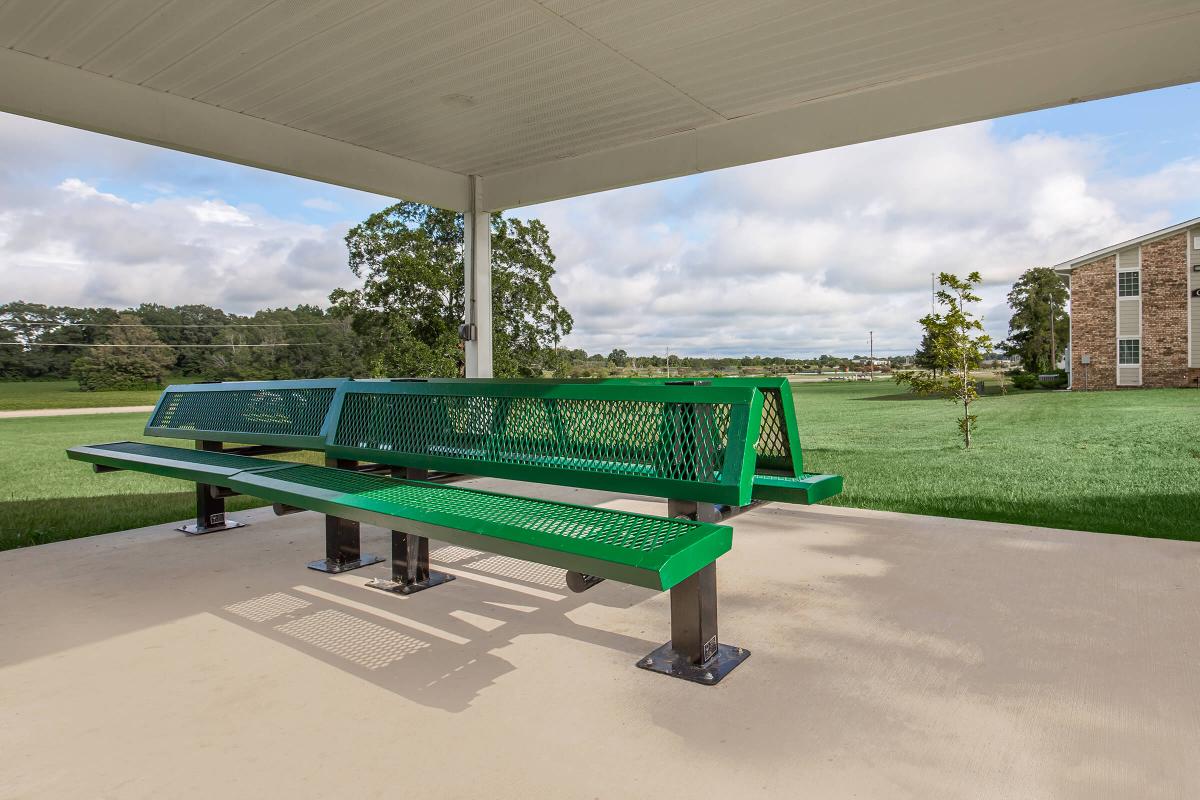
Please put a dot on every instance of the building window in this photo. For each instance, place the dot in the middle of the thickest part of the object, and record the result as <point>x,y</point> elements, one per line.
<point>1129,351</point>
<point>1129,284</point>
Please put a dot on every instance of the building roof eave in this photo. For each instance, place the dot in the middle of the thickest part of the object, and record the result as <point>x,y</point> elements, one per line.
<point>1065,267</point>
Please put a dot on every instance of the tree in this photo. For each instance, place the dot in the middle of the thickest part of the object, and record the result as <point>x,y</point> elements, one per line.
<point>926,355</point>
<point>131,357</point>
<point>961,346</point>
<point>1037,294</point>
<point>618,358</point>
<point>408,310</point>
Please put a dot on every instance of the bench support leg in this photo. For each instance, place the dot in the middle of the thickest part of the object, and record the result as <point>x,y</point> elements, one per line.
<point>210,508</point>
<point>410,553</point>
<point>690,509</point>
<point>410,566</point>
<point>694,653</point>
<point>342,539</point>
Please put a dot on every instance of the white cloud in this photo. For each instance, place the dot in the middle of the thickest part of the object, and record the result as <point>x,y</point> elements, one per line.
<point>219,212</point>
<point>79,190</point>
<point>79,245</point>
<point>808,254</point>
<point>321,204</point>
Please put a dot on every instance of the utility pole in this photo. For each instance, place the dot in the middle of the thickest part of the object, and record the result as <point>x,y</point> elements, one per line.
<point>871,360</point>
<point>932,294</point>
<point>668,359</point>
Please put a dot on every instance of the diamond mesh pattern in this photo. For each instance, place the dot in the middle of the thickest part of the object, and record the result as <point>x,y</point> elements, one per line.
<point>295,412</point>
<point>599,525</point>
<point>680,441</point>
<point>772,447</point>
<point>183,454</point>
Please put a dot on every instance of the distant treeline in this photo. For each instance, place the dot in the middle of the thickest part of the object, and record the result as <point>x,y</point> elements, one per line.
<point>153,342</point>
<point>40,341</point>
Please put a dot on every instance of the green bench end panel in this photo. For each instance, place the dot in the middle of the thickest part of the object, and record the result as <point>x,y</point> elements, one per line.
<point>778,442</point>
<point>279,413</point>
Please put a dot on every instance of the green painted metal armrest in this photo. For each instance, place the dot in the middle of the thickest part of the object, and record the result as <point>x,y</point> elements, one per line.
<point>172,462</point>
<point>806,490</point>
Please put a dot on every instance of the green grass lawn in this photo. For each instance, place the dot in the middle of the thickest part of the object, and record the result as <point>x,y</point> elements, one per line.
<point>1119,462</point>
<point>45,497</point>
<point>24,395</point>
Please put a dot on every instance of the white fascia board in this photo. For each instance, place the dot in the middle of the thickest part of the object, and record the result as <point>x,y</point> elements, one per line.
<point>1122,62</point>
<point>36,87</point>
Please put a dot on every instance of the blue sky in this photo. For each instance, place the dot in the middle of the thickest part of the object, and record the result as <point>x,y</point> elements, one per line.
<point>799,256</point>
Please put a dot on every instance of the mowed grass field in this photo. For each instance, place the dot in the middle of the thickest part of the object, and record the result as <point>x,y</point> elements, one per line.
<point>28,395</point>
<point>1114,462</point>
<point>44,497</point>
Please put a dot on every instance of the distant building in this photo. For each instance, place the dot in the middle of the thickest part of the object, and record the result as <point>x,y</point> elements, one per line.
<point>1135,311</point>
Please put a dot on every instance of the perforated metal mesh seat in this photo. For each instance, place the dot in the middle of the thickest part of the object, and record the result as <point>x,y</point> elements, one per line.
<point>635,548</point>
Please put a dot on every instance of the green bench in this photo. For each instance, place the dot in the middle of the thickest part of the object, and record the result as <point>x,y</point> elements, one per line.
<point>689,443</point>
<point>257,418</point>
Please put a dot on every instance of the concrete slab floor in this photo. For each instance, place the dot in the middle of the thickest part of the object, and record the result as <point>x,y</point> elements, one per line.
<point>893,656</point>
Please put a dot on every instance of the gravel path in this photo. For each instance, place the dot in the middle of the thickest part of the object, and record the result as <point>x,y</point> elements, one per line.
<point>66,412</point>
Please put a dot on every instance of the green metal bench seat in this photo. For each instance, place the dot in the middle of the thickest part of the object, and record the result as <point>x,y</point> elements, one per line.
<point>256,417</point>
<point>653,552</point>
<point>591,543</point>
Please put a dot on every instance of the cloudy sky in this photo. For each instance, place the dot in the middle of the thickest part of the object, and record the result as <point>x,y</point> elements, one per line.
<point>798,256</point>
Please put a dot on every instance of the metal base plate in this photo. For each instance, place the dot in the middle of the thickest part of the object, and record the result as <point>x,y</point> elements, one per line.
<point>435,579</point>
<point>326,565</point>
<point>710,673</point>
<point>192,529</point>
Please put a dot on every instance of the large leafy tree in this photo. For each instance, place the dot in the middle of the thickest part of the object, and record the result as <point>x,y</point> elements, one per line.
<point>1037,295</point>
<point>408,311</point>
<point>959,347</point>
<point>130,357</point>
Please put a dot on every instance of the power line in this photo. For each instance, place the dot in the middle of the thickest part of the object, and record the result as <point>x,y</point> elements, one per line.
<point>165,325</point>
<point>140,346</point>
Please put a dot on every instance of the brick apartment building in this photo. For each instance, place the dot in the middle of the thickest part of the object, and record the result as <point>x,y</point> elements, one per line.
<point>1135,311</point>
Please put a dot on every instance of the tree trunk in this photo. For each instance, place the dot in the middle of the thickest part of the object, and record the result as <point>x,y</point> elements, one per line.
<point>966,400</point>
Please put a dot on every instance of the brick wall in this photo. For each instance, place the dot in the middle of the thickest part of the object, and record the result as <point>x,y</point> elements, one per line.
<point>1094,323</point>
<point>1164,317</point>
<point>1164,312</point>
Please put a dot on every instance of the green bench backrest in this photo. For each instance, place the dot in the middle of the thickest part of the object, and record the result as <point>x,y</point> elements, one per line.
<point>778,446</point>
<point>685,442</point>
<point>279,413</point>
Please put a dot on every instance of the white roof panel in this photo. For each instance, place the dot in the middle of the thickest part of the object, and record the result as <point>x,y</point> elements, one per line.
<point>562,97</point>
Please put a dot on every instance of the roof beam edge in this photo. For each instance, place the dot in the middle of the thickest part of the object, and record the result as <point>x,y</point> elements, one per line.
<point>35,87</point>
<point>1121,62</point>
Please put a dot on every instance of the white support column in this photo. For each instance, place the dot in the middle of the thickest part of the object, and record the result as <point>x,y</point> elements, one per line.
<point>477,263</point>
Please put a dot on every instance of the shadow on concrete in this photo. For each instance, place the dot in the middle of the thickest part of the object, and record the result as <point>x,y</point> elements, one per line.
<point>438,647</point>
